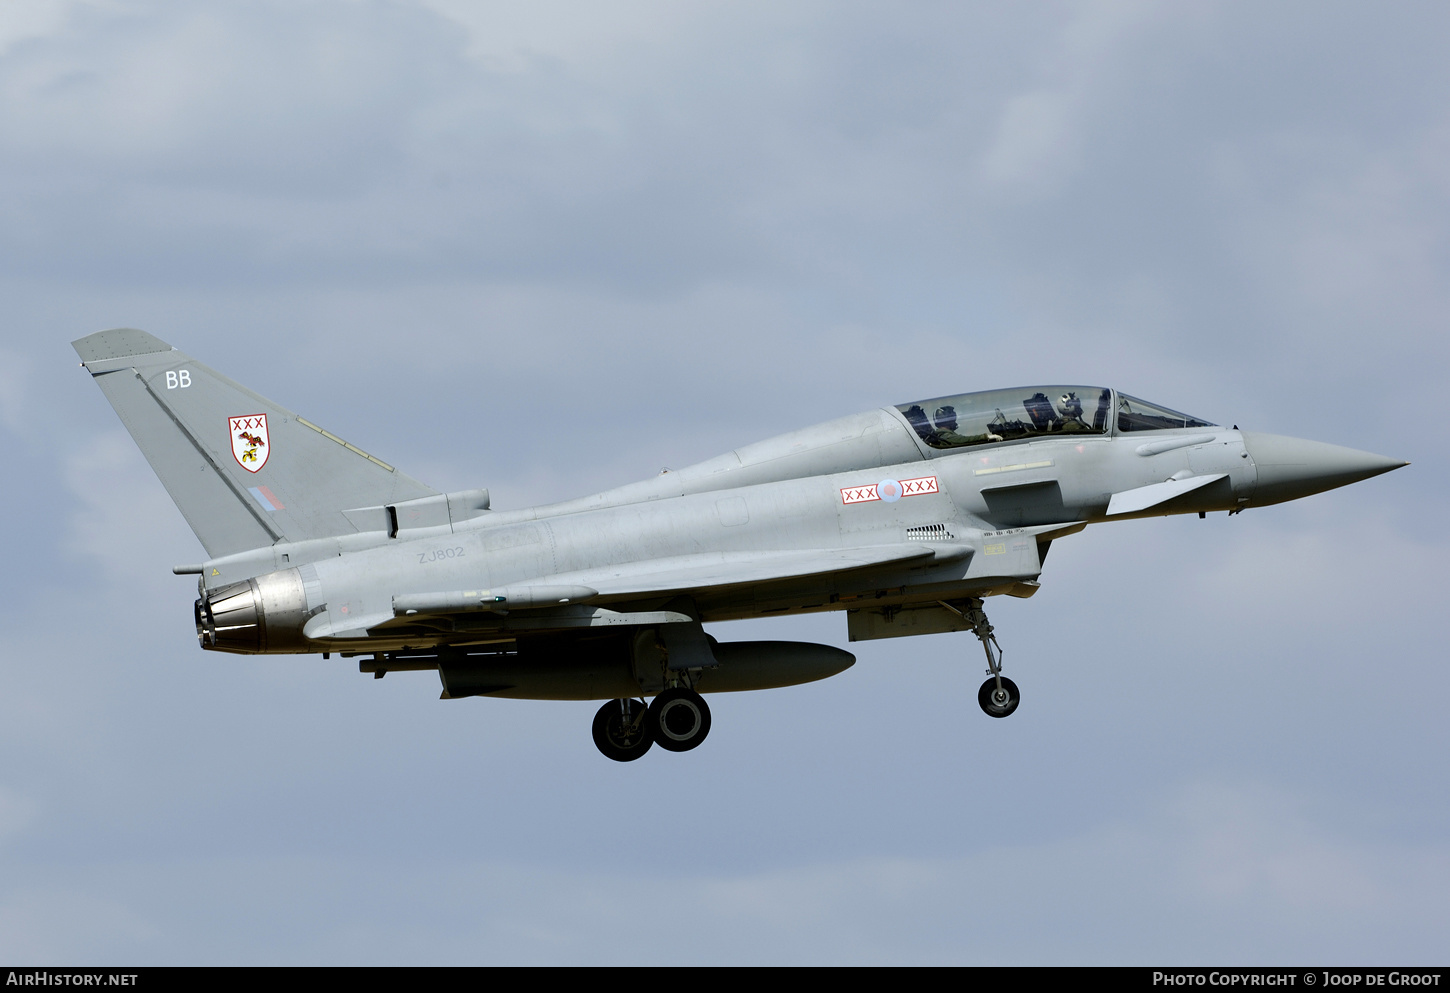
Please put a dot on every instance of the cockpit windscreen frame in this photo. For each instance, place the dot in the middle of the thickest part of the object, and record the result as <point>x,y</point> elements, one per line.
<point>1026,413</point>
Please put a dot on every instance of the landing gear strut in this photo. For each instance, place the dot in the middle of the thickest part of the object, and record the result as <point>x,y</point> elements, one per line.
<point>998,696</point>
<point>621,730</point>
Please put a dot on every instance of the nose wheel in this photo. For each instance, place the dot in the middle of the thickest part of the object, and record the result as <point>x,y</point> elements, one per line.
<point>998,696</point>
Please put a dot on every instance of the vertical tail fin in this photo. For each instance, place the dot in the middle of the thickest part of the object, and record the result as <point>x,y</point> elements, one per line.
<point>243,471</point>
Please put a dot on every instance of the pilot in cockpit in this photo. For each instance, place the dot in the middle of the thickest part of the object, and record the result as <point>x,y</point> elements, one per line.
<point>1069,411</point>
<point>945,419</point>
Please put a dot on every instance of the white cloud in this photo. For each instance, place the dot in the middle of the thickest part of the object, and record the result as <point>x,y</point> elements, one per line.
<point>1036,139</point>
<point>1038,143</point>
<point>276,99</point>
<point>125,522</point>
<point>24,20</point>
<point>514,37</point>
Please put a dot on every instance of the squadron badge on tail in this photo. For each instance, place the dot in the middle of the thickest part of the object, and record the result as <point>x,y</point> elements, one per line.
<point>249,441</point>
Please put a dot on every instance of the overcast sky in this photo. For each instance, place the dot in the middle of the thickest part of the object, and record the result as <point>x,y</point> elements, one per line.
<point>549,248</point>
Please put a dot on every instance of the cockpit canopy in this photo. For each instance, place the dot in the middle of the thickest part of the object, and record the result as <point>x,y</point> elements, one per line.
<point>1140,415</point>
<point>1033,412</point>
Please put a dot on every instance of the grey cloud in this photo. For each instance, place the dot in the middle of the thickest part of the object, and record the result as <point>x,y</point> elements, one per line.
<point>300,100</point>
<point>543,254</point>
<point>1224,862</point>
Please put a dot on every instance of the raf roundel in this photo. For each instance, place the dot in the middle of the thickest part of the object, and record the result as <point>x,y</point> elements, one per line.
<point>889,490</point>
<point>250,443</point>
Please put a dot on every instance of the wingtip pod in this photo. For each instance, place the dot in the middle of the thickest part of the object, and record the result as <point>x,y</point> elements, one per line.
<point>117,343</point>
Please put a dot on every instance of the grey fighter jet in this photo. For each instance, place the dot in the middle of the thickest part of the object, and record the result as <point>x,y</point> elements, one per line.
<point>906,518</point>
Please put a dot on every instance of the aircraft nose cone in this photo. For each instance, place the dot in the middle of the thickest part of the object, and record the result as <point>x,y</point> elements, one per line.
<point>1290,468</point>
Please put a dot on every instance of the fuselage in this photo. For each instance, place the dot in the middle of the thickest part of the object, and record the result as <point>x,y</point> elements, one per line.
<point>904,518</point>
<point>987,509</point>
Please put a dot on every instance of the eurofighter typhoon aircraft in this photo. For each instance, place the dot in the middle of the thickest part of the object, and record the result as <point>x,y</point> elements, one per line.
<point>906,518</point>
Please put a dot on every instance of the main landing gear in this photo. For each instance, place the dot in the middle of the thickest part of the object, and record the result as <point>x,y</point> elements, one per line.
<point>678,720</point>
<point>998,696</point>
<point>621,730</point>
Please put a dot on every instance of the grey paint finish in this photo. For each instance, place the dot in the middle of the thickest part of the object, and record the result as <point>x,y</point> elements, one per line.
<point>855,514</point>
<point>1290,468</point>
<point>180,412</point>
<point>222,521</point>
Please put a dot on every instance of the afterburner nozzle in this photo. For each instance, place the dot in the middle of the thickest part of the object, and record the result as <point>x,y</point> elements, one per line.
<point>254,617</point>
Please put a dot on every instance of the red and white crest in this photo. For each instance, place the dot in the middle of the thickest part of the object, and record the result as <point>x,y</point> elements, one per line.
<point>250,443</point>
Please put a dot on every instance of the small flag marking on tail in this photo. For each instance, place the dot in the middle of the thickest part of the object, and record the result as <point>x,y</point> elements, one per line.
<point>266,498</point>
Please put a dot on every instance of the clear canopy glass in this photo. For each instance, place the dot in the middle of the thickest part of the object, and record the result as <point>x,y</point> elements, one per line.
<point>1006,415</point>
<point>1034,412</point>
<point>1139,415</point>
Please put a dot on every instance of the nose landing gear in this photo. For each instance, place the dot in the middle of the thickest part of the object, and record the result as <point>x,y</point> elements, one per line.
<point>998,696</point>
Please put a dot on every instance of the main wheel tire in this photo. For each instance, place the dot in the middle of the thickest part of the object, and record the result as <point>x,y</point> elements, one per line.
<point>679,719</point>
<point>995,704</point>
<point>622,734</point>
